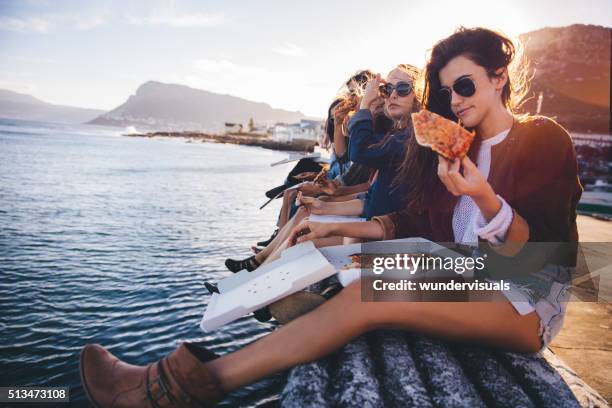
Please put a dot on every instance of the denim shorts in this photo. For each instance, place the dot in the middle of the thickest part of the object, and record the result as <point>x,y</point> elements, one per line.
<point>546,292</point>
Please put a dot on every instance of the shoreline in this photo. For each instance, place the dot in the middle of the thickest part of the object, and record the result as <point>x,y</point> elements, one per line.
<point>245,139</point>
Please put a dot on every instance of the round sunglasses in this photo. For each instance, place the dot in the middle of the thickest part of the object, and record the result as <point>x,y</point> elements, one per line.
<point>402,88</point>
<point>463,86</point>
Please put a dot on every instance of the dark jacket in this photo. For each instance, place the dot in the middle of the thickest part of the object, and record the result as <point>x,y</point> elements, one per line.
<point>535,170</point>
<point>365,148</point>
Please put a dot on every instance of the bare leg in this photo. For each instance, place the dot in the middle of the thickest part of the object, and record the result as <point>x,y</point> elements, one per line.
<point>351,240</point>
<point>336,322</point>
<point>282,235</point>
<point>288,198</point>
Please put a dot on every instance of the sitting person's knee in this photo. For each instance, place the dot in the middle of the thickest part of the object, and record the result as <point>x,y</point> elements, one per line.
<point>353,291</point>
<point>351,240</point>
<point>361,311</point>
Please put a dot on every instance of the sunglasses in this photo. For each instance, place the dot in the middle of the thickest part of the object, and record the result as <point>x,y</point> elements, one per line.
<point>402,89</point>
<point>464,86</point>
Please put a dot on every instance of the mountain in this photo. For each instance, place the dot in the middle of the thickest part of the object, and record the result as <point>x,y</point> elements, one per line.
<point>572,70</point>
<point>14,105</point>
<point>174,107</point>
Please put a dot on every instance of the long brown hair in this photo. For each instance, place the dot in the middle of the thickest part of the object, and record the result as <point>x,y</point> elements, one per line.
<point>491,51</point>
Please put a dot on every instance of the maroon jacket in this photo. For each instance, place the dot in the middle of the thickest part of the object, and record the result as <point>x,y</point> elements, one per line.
<point>534,169</point>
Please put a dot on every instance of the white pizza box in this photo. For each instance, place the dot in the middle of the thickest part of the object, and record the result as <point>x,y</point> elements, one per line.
<point>334,218</point>
<point>299,267</point>
<point>244,292</point>
<point>339,257</point>
<point>316,156</point>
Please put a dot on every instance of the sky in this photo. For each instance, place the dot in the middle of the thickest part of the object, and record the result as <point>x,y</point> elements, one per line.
<point>290,54</point>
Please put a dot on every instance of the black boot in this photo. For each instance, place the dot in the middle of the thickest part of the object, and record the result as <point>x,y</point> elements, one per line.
<point>211,287</point>
<point>276,191</point>
<point>250,264</point>
<point>332,290</point>
<point>266,242</point>
<point>263,314</point>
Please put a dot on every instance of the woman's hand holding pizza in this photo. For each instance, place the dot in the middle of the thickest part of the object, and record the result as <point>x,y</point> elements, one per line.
<point>310,189</point>
<point>340,111</point>
<point>307,175</point>
<point>471,183</point>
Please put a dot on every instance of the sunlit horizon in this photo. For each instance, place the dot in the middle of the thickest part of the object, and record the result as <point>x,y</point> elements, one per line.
<point>291,56</point>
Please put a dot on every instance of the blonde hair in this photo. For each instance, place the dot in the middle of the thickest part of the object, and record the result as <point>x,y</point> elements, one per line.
<point>416,76</point>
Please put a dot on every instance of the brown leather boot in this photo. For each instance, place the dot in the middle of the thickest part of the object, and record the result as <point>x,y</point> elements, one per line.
<point>177,380</point>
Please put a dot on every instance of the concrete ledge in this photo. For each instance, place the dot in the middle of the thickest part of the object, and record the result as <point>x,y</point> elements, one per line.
<point>396,369</point>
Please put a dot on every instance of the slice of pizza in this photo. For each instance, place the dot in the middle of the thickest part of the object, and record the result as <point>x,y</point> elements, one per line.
<point>306,176</point>
<point>320,177</point>
<point>443,136</point>
<point>350,105</point>
<point>349,102</point>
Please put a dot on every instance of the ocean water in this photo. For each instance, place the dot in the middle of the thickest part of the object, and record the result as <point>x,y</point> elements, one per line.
<point>107,239</point>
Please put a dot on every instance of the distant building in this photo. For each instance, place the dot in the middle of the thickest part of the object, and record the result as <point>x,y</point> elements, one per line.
<point>283,132</point>
<point>311,129</point>
<point>306,130</point>
<point>260,129</point>
<point>233,127</point>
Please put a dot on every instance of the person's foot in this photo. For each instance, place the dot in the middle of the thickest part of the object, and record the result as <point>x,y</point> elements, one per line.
<point>256,249</point>
<point>266,242</point>
<point>180,379</point>
<point>250,264</point>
